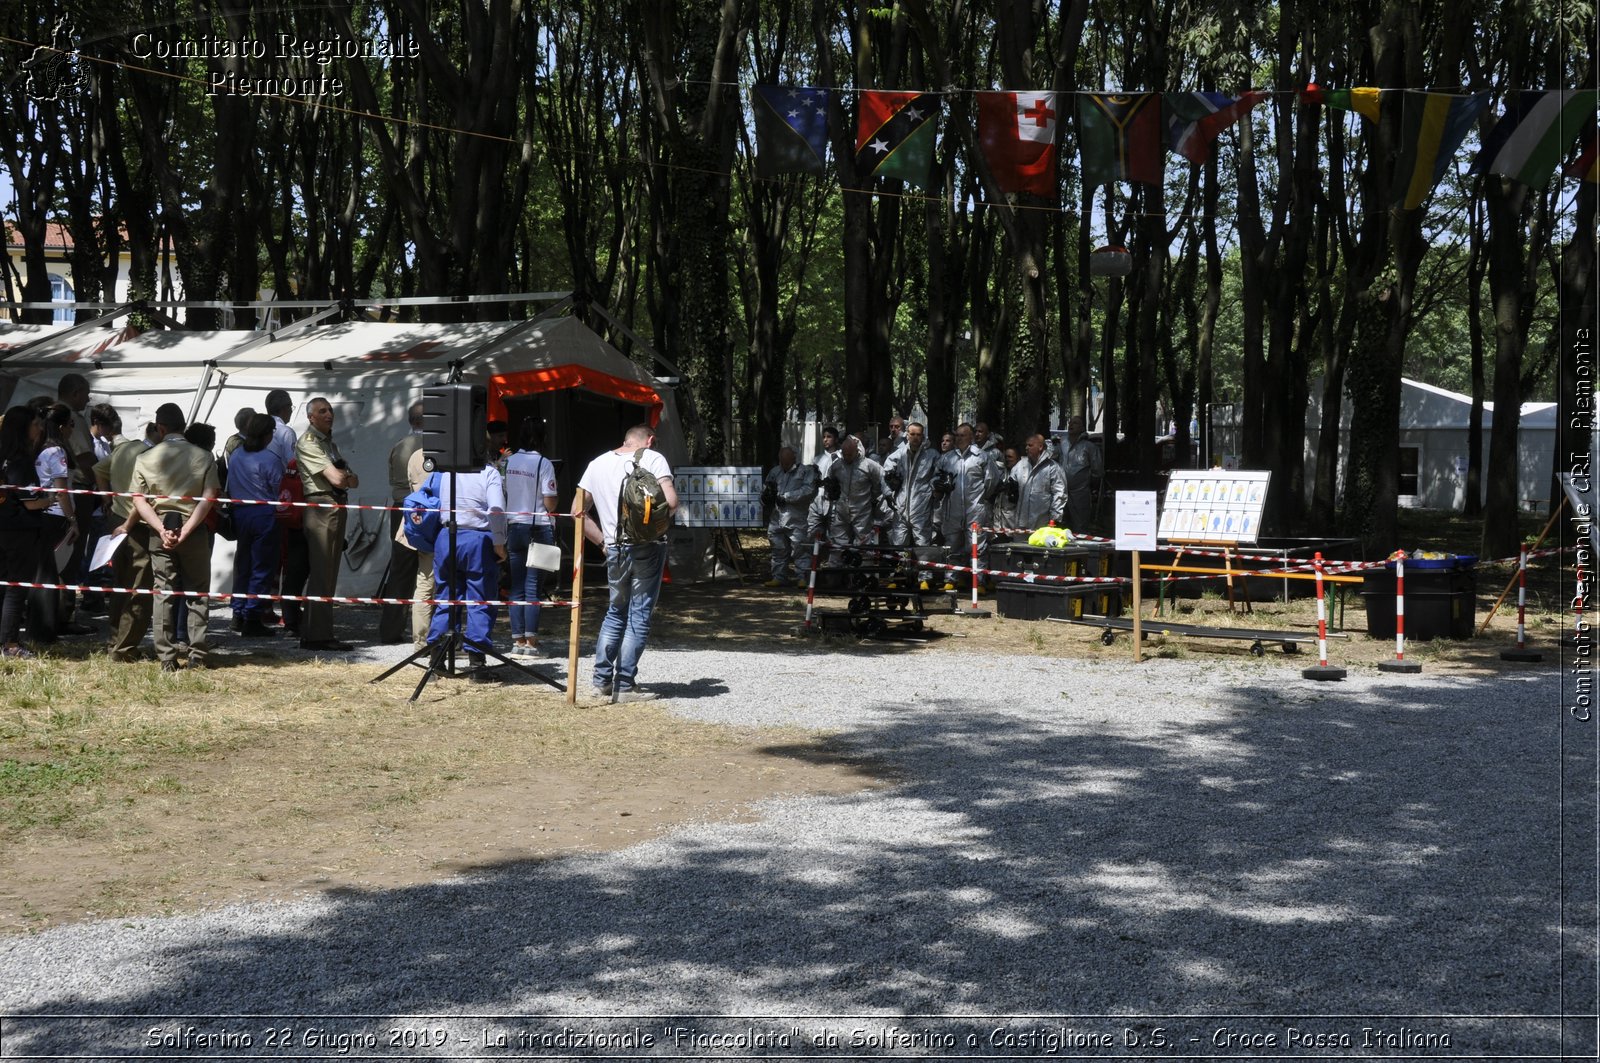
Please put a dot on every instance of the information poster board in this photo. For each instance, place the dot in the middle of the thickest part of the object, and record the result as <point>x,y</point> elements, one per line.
<point>718,496</point>
<point>1136,520</point>
<point>1213,506</point>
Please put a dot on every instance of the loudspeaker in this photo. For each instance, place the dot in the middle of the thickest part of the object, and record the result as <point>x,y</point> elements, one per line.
<point>454,417</point>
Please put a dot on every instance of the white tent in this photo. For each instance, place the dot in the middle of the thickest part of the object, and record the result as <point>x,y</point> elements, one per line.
<point>371,372</point>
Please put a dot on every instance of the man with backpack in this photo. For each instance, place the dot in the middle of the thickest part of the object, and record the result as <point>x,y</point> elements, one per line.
<point>629,504</point>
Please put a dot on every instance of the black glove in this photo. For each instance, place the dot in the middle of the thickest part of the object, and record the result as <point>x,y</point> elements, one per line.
<point>769,495</point>
<point>831,488</point>
<point>895,480</point>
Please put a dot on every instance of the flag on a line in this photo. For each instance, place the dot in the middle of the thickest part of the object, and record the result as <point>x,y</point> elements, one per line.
<point>1432,127</point>
<point>1363,101</point>
<point>895,133</point>
<point>1017,132</point>
<point>791,129</point>
<point>1120,137</point>
<point>1528,141</point>
<point>1196,119</point>
<point>1586,167</point>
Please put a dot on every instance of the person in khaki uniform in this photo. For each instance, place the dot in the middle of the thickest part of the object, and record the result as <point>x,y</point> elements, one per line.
<point>130,565</point>
<point>422,592</point>
<point>185,478</point>
<point>327,478</point>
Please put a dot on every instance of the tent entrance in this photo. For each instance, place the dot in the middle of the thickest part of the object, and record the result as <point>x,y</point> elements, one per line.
<point>578,426</point>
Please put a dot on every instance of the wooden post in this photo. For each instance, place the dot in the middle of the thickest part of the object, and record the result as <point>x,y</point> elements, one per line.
<point>579,543</point>
<point>1138,633</point>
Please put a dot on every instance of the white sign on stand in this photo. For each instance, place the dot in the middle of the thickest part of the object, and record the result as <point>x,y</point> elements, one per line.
<point>1136,520</point>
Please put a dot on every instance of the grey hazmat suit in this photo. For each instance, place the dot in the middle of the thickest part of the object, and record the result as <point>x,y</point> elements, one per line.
<point>1083,466</point>
<point>786,528</point>
<point>1041,492</point>
<point>855,514</point>
<point>976,474</point>
<point>911,522</point>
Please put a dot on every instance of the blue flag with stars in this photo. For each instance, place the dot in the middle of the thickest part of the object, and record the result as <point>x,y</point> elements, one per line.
<point>791,129</point>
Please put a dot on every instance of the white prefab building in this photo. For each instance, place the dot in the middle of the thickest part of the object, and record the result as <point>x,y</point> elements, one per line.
<point>1433,447</point>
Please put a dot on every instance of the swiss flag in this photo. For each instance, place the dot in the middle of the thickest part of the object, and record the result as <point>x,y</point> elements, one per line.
<point>1017,131</point>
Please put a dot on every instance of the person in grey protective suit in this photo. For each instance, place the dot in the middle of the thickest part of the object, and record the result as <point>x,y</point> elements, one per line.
<point>1041,486</point>
<point>909,476</point>
<point>855,511</point>
<point>790,488</point>
<point>1083,465</point>
<point>973,475</point>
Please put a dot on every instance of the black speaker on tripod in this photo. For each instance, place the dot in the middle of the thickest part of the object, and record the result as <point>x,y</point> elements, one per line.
<point>454,420</point>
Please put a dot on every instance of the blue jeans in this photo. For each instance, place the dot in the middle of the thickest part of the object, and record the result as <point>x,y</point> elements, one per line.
<point>525,579</point>
<point>634,573</point>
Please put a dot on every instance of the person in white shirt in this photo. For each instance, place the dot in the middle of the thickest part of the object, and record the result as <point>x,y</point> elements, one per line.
<point>632,569</point>
<point>472,571</point>
<point>530,506</point>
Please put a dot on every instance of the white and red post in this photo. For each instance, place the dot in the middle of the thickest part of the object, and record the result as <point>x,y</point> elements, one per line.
<point>811,578</point>
<point>1522,597</point>
<point>1399,664</point>
<point>1322,616</point>
<point>1522,653</point>
<point>1322,669</point>
<point>974,536</point>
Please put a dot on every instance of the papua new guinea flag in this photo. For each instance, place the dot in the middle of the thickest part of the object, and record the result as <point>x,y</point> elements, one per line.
<point>894,135</point>
<point>1120,137</point>
<point>1017,131</point>
<point>791,129</point>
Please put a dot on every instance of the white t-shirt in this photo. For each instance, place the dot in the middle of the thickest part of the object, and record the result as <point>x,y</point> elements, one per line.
<point>51,465</point>
<point>530,478</point>
<point>603,480</point>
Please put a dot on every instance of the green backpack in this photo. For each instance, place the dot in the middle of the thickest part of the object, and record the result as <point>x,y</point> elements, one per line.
<point>643,515</point>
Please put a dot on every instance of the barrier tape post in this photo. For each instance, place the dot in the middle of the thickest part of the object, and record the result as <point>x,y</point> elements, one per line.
<point>1138,606</point>
<point>811,577</point>
<point>972,608</point>
<point>973,535</point>
<point>1522,653</point>
<point>1399,664</point>
<point>579,504</point>
<point>1321,671</point>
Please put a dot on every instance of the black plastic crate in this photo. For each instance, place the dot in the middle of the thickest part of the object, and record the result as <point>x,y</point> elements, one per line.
<point>1440,602</point>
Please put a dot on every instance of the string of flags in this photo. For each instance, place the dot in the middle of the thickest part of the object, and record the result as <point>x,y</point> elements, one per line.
<point>1125,136</point>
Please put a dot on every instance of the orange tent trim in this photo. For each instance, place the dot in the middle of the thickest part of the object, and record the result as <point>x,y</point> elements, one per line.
<point>561,377</point>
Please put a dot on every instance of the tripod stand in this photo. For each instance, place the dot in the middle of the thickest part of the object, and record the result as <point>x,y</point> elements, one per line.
<point>441,653</point>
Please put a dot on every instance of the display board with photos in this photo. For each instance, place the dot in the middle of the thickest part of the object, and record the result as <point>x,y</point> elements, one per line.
<point>719,496</point>
<point>1213,506</point>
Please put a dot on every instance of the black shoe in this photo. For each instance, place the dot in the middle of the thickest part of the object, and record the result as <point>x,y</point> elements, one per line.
<point>169,666</point>
<point>77,629</point>
<point>480,674</point>
<point>237,623</point>
<point>255,629</point>
<point>330,645</point>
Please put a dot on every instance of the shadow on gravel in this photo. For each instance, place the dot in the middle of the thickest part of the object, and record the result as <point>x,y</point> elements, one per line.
<point>1380,851</point>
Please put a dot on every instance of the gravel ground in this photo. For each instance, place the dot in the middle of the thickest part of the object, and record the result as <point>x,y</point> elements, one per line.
<point>1218,850</point>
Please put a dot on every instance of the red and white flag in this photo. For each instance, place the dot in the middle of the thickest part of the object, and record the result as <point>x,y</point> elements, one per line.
<point>1017,132</point>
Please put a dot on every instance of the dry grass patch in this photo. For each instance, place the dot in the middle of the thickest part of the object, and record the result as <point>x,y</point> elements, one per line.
<point>124,791</point>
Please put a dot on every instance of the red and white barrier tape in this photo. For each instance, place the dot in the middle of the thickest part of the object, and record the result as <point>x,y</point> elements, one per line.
<point>278,503</point>
<point>221,595</point>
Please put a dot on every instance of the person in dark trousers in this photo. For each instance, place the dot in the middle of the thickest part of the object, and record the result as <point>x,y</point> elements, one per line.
<point>21,520</point>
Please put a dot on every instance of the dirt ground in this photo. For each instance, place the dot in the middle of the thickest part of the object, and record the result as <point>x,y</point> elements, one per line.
<point>126,793</point>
